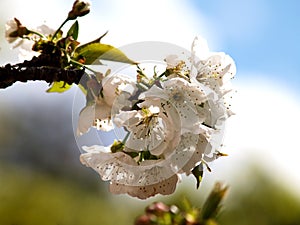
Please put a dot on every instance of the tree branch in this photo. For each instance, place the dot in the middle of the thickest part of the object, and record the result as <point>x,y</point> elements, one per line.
<point>44,68</point>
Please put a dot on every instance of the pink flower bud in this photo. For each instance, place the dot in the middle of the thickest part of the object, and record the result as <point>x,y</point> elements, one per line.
<point>143,220</point>
<point>80,8</point>
<point>157,208</point>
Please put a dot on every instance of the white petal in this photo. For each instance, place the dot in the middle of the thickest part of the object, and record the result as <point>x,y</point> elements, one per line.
<point>102,116</point>
<point>172,61</point>
<point>201,146</point>
<point>200,48</point>
<point>165,187</point>
<point>126,118</point>
<point>113,85</point>
<point>86,119</point>
<point>116,167</point>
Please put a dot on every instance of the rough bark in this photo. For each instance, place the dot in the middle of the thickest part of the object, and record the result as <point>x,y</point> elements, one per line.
<point>43,68</point>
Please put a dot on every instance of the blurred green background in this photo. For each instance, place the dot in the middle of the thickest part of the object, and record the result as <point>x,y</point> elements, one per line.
<point>43,182</point>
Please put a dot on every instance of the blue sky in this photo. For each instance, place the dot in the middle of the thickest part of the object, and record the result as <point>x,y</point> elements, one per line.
<point>262,35</point>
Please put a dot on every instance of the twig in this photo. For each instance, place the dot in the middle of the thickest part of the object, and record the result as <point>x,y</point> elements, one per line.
<point>43,68</point>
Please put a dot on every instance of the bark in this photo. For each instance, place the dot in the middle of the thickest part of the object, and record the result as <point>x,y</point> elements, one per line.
<point>43,68</point>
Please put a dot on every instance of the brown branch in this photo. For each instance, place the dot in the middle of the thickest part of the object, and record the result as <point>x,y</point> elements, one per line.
<point>43,68</point>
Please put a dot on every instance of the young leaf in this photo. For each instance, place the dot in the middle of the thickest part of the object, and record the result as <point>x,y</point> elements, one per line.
<point>93,51</point>
<point>59,86</point>
<point>213,203</point>
<point>198,174</point>
<point>73,31</point>
<point>98,40</point>
<point>186,204</point>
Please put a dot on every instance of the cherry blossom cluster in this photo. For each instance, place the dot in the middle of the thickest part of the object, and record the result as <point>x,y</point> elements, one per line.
<point>174,121</point>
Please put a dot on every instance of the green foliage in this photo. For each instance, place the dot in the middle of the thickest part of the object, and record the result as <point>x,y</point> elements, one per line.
<point>33,198</point>
<point>159,213</point>
<point>73,31</point>
<point>261,200</point>
<point>59,87</point>
<point>211,206</point>
<point>90,52</point>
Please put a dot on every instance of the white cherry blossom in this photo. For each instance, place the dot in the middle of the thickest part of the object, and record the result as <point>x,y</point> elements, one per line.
<point>216,71</point>
<point>25,45</point>
<point>213,69</point>
<point>154,128</point>
<point>172,61</point>
<point>177,120</point>
<point>98,114</point>
<point>11,26</point>
<point>127,176</point>
<point>184,97</point>
<point>164,187</point>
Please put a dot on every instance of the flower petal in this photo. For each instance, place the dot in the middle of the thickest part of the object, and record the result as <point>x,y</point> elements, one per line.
<point>164,187</point>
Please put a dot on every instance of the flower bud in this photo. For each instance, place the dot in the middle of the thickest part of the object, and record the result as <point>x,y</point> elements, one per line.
<point>212,203</point>
<point>14,29</point>
<point>157,208</point>
<point>80,8</point>
<point>143,220</point>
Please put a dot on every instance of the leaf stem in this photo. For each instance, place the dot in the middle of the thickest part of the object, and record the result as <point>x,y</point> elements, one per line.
<point>56,32</point>
<point>82,65</point>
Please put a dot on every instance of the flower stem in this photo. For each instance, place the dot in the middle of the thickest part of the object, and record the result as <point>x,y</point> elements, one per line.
<point>80,64</point>
<point>161,75</point>
<point>125,138</point>
<point>206,165</point>
<point>37,33</point>
<point>142,86</point>
<point>56,32</point>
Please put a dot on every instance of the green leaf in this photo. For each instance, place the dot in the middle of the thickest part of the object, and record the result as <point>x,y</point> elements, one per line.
<point>198,174</point>
<point>98,40</point>
<point>93,51</point>
<point>117,146</point>
<point>186,204</point>
<point>212,204</point>
<point>73,31</point>
<point>59,86</point>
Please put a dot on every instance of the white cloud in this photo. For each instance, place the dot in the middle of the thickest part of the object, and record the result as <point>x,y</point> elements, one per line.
<point>134,21</point>
<point>33,13</point>
<point>128,21</point>
<point>265,130</point>
<point>171,21</point>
